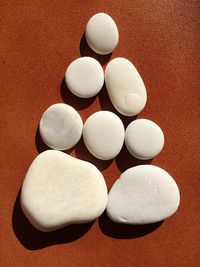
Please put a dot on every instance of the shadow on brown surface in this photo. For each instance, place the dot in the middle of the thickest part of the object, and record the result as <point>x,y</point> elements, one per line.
<point>125,160</point>
<point>125,231</point>
<point>81,152</point>
<point>106,104</point>
<point>86,51</point>
<point>41,146</point>
<point>33,239</point>
<point>76,102</point>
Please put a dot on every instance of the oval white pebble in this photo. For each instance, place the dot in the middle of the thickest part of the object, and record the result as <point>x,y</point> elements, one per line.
<point>143,194</point>
<point>125,86</point>
<point>144,139</point>
<point>59,190</point>
<point>84,77</point>
<point>102,34</point>
<point>61,127</point>
<point>103,134</point>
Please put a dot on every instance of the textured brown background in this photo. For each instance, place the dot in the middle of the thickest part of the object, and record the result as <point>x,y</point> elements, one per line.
<point>38,39</point>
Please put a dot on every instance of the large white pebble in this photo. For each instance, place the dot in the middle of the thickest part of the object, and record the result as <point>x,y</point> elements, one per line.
<point>103,134</point>
<point>125,86</point>
<point>84,77</point>
<point>144,139</point>
<point>61,126</point>
<point>101,33</point>
<point>60,190</point>
<point>143,194</point>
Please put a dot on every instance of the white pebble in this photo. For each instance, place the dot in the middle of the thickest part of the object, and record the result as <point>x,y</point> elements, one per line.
<point>60,190</point>
<point>144,139</point>
<point>61,127</point>
<point>84,77</point>
<point>103,134</point>
<point>143,194</point>
<point>125,87</point>
<point>102,34</point>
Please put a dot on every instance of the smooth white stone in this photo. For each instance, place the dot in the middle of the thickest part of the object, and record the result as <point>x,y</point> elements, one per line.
<point>125,86</point>
<point>143,194</point>
<point>60,190</point>
<point>84,77</point>
<point>61,127</point>
<point>103,134</point>
<point>102,34</point>
<point>144,139</point>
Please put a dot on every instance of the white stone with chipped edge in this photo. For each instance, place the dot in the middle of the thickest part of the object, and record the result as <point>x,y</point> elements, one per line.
<point>125,86</point>
<point>143,194</point>
<point>60,190</point>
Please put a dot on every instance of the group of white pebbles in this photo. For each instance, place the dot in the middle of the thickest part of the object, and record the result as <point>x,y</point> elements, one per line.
<point>60,190</point>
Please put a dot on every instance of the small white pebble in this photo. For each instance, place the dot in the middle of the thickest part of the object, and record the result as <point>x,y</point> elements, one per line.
<point>144,139</point>
<point>102,34</point>
<point>103,134</point>
<point>61,127</point>
<point>84,77</point>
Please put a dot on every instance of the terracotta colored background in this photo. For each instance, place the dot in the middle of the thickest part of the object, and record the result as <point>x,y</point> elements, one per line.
<point>38,40</point>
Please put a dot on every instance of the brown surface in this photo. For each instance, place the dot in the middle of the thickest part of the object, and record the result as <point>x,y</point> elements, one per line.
<point>38,40</point>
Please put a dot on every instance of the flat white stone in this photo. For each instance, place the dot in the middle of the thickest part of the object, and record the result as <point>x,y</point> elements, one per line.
<point>125,86</point>
<point>144,139</point>
<point>84,77</point>
<point>103,134</point>
<point>143,194</point>
<point>61,127</point>
<point>60,190</point>
<point>102,34</point>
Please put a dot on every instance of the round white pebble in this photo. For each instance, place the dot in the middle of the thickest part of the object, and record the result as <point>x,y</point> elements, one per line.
<point>125,86</point>
<point>59,190</point>
<point>143,194</point>
<point>102,34</point>
<point>144,139</point>
<point>103,134</point>
<point>84,77</point>
<point>61,127</point>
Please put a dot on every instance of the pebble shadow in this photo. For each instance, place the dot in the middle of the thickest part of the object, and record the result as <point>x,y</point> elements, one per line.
<point>86,51</point>
<point>125,231</point>
<point>125,160</point>
<point>76,102</point>
<point>41,146</point>
<point>106,104</point>
<point>81,152</point>
<point>33,239</point>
